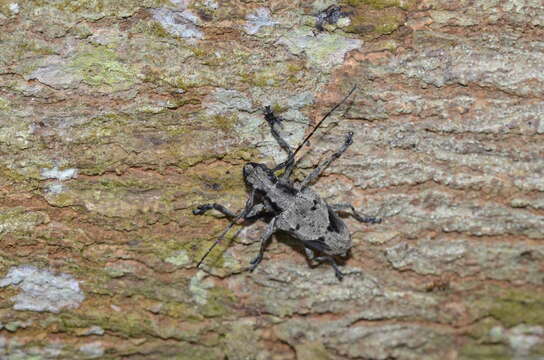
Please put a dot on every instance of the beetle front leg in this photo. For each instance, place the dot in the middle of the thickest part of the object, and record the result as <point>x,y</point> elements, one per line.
<point>355,214</point>
<point>289,163</point>
<point>270,229</point>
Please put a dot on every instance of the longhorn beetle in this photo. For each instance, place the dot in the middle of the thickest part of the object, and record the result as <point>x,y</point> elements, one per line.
<point>293,207</point>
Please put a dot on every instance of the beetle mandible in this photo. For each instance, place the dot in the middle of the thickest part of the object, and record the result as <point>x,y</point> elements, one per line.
<point>293,207</point>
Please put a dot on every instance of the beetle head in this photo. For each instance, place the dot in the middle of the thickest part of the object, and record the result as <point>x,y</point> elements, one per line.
<point>258,176</point>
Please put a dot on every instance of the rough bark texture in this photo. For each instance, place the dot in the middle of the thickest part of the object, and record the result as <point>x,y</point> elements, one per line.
<point>117,117</point>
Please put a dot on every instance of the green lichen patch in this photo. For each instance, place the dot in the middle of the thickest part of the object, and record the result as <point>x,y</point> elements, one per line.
<point>517,306</point>
<point>218,176</point>
<point>18,219</point>
<point>4,104</point>
<point>15,133</point>
<point>97,9</point>
<point>476,351</point>
<point>153,29</point>
<point>382,4</point>
<point>12,177</point>
<point>225,122</point>
<point>29,47</point>
<point>312,351</point>
<point>212,301</point>
<point>128,323</point>
<point>241,333</point>
<point>482,328</point>
<point>189,250</point>
<point>324,50</point>
<point>181,311</point>
<point>102,129</point>
<point>371,22</point>
<point>127,198</point>
<point>275,75</point>
<point>512,307</point>
<point>102,69</point>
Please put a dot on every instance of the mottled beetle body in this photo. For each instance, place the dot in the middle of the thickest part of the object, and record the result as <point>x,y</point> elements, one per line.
<point>301,212</point>
<point>292,207</point>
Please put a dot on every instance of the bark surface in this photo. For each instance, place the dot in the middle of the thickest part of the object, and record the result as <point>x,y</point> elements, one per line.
<point>118,117</point>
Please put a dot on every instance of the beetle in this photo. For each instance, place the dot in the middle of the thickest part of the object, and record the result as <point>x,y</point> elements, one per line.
<point>293,207</point>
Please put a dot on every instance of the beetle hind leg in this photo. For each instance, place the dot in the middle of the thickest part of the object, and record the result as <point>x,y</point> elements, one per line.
<point>321,167</point>
<point>339,274</point>
<point>355,214</point>
<point>311,256</point>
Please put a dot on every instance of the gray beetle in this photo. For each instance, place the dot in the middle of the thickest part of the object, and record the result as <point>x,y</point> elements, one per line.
<point>292,207</point>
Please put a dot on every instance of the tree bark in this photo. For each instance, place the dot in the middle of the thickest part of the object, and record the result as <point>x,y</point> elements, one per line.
<point>117,118</point>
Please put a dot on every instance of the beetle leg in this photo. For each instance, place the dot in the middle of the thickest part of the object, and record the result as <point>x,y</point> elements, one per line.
<point>289,163</point>
<point>272,120</point>
<point>201,209</point>
<point>355,214</point>
<point>317,171</point>
<point>270,229</point>
<point>330,260</point>
<point>256,212</point>
<point>242,215</point>
<point>309,253</point>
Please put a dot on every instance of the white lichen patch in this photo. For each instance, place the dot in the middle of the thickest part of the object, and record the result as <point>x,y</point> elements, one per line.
<point>60,175</point>
<point>223,100</point>
<point>92,350</point>
<point>55,72</point>
<point>179,23</point>
<point>94,330</point>
<point>198,286</point>
<point>42,290</point>
<point>14,8</point>
<point>211,4</point>
<point>520,338</point>
<point>180,258</point>
<point>258,19</point>
<point>323,51</point>
<point>55,188</point>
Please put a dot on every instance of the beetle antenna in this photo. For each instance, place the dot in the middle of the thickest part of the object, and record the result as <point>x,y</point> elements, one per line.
<point>241,215</point>
<point>321,121</point>
<point>218,240</point>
